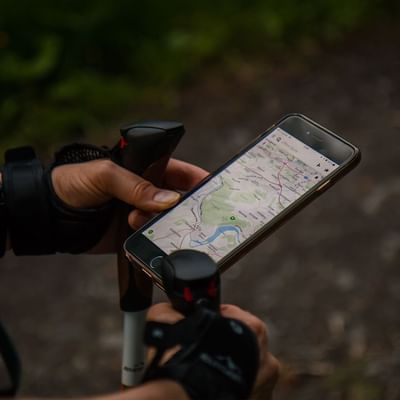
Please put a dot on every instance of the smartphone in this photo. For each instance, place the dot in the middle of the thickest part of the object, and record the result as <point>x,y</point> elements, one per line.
<point>247,198</point>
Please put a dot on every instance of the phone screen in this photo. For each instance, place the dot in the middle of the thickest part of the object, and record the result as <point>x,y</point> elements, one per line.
<point>242,198</point>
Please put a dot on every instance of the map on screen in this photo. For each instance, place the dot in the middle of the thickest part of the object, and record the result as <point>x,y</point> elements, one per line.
<point>240,200</point>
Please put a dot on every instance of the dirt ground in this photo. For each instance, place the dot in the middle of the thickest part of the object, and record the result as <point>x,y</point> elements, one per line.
<point>327,283</point>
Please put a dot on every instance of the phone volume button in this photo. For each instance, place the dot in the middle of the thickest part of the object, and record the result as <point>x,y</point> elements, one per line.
<point>324,186</point>
<point>146,273</point>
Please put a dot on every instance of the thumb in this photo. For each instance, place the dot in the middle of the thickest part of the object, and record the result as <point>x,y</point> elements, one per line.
<point>136,191</point>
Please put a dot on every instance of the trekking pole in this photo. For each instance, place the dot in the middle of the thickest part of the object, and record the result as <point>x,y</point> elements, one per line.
<point>145,150</point>
<point>212,357</point>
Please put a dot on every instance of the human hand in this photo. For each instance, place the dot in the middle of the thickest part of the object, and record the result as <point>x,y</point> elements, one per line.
<point>269,366</point>
<point>94,183</point>
<point>179,175</point>
<point>269,369</point>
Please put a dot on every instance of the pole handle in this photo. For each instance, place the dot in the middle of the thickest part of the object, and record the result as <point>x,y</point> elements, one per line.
<point>191,280</point>
<point>144,149</point>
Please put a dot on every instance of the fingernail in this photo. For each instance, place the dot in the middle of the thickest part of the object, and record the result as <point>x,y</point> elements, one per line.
<point>166,197</point>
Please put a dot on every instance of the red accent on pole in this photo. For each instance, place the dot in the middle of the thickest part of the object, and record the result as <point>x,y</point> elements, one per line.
<point>187,294</point>
<point>212,289</point>
<point>123,143</point>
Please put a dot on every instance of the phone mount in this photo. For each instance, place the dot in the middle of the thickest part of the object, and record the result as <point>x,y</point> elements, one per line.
<point>191,280</point>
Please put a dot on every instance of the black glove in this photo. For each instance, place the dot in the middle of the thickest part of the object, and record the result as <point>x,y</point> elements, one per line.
<point>37,221</point>
<point>218,360</point>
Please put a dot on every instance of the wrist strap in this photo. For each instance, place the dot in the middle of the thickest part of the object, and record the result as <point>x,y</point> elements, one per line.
<point>77,229</point>
<point>37,220</point>
<point>218,359</point>
<point>27,203</point>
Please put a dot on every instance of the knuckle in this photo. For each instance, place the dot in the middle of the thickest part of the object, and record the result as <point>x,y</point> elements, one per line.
<point>163,312</point>
<point>229,309</point>
<point>258,326</point>
<point>138,190</point>
<point>105,169</point>
<point>157,309</point>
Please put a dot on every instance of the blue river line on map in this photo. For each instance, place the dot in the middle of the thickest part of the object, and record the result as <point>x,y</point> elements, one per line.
<point>219,231</point>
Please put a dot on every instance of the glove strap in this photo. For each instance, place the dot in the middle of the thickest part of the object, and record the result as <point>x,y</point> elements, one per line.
<point>37,220</point>
<point>27,205</point>
<point>218,358</point>
<point>77,229</point>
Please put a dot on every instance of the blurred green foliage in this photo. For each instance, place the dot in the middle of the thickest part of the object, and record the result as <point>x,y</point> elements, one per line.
<point>68,66</point>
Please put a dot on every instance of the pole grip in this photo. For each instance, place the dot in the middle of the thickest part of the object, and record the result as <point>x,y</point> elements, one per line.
<point>144,149</point>
<point>191,280</point>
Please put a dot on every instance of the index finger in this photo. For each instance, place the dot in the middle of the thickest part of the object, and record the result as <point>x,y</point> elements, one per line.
<point>180,175</point>
<point>164,312</point>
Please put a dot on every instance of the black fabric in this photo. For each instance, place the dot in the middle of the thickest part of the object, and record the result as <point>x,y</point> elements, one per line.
<point>77,153</point>
<point>77,230</point>
<point>218,360</point>
<point>12,363</point>
<point>27,204</point>
<point>37,220</point>
<point>24,153</point>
